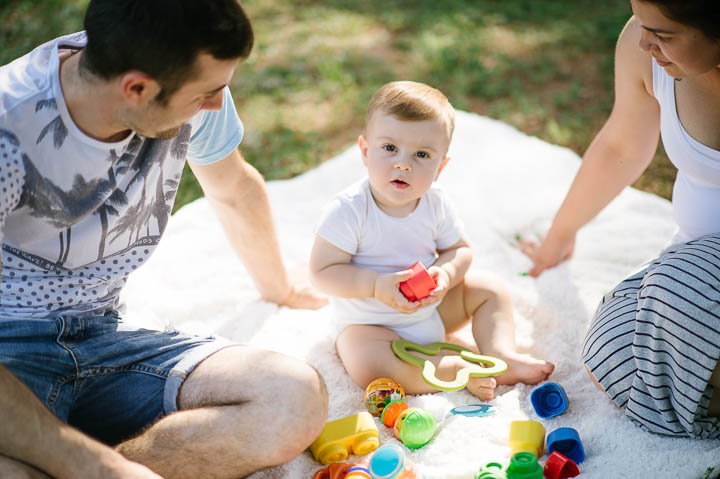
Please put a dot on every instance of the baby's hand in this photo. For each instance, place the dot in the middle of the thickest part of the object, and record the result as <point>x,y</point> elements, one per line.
<point>387,290</point>
<point>442,280</point>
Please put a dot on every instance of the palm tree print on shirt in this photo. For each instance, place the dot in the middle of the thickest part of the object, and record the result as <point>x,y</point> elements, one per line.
<point>61,208</point>
<point>56,125</point>
<point>150,160</point>
<point>103,197</point>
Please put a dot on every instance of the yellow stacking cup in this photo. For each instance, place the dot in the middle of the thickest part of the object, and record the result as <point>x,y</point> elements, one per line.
<point>527,436</point>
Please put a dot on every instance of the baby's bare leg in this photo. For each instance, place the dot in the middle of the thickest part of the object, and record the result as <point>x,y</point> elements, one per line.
<point>483,298</point>
<point>366,354</point>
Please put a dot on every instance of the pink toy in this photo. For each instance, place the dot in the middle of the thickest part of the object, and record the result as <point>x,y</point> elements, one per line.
<point>419,285</point>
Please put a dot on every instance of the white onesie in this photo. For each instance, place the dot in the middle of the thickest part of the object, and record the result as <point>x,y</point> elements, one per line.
<point>696,193</point>
<point>386,244</point>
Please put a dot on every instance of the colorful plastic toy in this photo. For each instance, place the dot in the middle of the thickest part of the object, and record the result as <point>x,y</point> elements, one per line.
<point>391,412</point>
<point>524,465</point>
<point>479,366</point>
<point>527,436</point>
<point>474,410</point>
<point>381,392</point>
<point>389,462</point>
<point>419,285</point>
<point>492,470</point>
<point>336,470</point>
<point>357,434</point>
<point>415,427</point>
<point>549,400</point>
<point>558,466</point>
<point>566,441</point>
<point>358,471</point>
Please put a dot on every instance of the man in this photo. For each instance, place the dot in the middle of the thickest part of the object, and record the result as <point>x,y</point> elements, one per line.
<point>95,128</point>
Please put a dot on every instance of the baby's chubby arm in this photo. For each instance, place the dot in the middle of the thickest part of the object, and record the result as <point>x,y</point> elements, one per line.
<point>332,273</point>
<point>450,267</point>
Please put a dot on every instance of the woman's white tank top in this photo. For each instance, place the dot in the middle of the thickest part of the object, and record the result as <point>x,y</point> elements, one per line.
<point>696,193</point>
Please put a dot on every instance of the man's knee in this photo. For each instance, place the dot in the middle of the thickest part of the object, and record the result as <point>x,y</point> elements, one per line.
<point>303,399</point>
<point>12,469</point>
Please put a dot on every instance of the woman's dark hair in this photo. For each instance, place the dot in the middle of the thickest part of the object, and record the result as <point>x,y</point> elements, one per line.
<point>162,38</point>
<point>701,14</point>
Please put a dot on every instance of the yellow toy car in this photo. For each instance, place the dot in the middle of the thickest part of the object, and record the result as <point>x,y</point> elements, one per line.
<point>356,434</point>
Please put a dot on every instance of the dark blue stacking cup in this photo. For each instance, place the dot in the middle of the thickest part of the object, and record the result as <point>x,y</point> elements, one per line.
<point>549,400</point>
<point>566,441</point>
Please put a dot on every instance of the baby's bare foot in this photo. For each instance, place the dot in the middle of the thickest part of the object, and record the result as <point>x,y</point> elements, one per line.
<point>523,368</point>
<point>482,388</point>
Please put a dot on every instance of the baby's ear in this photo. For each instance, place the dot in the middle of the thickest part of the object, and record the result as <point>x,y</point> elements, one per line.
<point>442,165</point>
<point>363,145</point>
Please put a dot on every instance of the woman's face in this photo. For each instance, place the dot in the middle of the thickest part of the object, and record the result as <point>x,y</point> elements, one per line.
<point>680,49</point>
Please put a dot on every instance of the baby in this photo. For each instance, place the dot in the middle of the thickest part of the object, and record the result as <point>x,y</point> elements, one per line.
<point>372,232</point>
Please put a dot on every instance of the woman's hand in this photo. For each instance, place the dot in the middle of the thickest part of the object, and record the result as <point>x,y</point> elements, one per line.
<point>548,253</point>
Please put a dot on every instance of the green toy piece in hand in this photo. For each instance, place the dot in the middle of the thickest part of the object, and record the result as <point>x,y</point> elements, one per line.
<point>482,366</point>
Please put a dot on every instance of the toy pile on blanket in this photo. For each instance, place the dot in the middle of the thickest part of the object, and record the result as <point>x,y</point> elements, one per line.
<point>503,183</point>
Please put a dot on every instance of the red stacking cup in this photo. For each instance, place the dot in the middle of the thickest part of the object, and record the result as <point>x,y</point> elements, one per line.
<point>419,285</point>
<point>558,466</point>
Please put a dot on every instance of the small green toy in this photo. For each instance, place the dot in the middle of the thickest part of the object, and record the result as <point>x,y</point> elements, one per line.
<point>523,465</point>
<point>478,367</point>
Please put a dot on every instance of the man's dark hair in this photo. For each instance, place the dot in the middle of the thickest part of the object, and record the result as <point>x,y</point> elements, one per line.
<point>162,38</point>
<point>701,14</point>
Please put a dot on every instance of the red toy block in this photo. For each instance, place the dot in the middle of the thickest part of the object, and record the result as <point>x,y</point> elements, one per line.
<point>558,466</point>
<point>419,285</point>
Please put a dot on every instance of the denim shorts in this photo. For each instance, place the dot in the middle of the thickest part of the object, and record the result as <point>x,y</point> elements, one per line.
<point>107,382</point>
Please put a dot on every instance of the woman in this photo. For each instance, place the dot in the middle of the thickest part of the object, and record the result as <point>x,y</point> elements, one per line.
<point>654,342</point>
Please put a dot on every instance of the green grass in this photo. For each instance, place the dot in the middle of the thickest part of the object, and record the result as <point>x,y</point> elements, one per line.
<point>544,67</point>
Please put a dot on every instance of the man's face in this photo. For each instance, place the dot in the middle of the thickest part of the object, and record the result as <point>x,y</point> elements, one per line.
<point>204,91</point>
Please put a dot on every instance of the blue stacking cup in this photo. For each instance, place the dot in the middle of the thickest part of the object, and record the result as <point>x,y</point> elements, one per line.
<point>566,441</point>
<point>549,400</point>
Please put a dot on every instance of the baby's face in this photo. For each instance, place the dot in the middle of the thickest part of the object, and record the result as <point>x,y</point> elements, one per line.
<point>403,158</point>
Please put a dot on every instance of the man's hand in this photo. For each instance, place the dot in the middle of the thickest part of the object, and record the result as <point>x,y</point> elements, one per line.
<point>304,297</point>
<point>547,253</point>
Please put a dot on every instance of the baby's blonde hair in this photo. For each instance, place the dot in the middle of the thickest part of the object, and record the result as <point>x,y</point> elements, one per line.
<point>412,101</point>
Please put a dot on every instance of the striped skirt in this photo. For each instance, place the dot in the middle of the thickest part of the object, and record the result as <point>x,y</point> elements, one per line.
<point>655,341</point>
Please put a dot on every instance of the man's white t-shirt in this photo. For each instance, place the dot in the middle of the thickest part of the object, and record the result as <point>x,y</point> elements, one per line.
<point>386,244</point>
<point>78,215</point>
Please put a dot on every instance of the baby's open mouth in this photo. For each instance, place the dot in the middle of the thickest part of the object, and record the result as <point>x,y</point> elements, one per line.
<point>400,183</point>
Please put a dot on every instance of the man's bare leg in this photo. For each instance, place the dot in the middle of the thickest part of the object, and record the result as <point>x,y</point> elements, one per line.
<point>242,409</point>
<point>30,434</point>
<point>12,469</point>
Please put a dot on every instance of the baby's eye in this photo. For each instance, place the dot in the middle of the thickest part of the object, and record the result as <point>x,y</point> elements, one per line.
<point>422,154</point>
<point>661,38</point>
<point>390,148</point>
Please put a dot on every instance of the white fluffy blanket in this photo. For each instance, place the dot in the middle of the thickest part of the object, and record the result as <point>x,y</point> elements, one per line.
<point>504,183</point>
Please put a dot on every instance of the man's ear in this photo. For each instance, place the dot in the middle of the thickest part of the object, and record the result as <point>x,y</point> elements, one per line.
<point>442,165</point>
<point>138,88</point>
<point>363,145</point>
